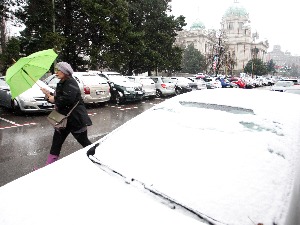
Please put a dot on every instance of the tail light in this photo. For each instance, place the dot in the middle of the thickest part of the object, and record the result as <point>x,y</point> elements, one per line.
<point>87,90</point>
<point>163,85</point>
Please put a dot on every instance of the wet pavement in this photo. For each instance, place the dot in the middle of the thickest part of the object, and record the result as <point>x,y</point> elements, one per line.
<point>25,140</point>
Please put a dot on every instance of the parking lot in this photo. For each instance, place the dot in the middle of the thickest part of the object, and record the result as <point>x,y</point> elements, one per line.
<point>26,140</point>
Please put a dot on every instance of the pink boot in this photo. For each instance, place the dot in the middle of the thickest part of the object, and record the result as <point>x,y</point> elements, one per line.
<point>51,158</point>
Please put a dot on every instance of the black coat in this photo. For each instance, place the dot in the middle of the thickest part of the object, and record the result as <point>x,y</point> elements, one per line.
<point>67,94</point>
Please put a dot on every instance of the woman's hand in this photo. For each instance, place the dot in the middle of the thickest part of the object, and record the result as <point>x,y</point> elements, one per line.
<point>48,95</point>
<point>45,91</point>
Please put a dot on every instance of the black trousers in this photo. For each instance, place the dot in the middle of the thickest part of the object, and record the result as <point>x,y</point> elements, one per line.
<point>60,136</point>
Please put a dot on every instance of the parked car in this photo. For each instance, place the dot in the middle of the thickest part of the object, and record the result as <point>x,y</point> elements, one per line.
<point>294,80</point>
<point>148,85</point>
<point>263,80</point>
<point>199,82</point>
<point>176,182</point>
<point>207,81</point>
<point>182,85</point>
<point>94,89</point>
<point>124,89</point>
<point>225,83</point>
<point>32,100</point>
<point>164,86</point>
<point>282,85</point>
<point>238,81</point>
<point>212,82</point>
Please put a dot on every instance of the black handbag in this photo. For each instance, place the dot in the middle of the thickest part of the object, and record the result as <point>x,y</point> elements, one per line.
<point>58,120</point>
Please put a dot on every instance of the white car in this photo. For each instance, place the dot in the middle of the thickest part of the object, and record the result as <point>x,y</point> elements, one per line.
<point>212,82</point>
<point>94,89</point>
<point>32,100</point>
<point>148,85</point>
<point>171,180</point>
<point>282,85</point>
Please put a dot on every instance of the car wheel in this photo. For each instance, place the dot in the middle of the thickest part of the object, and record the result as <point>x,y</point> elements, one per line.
<point>177,91</point>
<point>158,94</point>
<point>119,99</point>
<point>16,108</point>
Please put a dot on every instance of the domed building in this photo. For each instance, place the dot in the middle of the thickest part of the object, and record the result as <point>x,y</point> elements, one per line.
<point>241,44</point>
<point>241,41</point>
<point>198,25</point>
<point>197,35</point>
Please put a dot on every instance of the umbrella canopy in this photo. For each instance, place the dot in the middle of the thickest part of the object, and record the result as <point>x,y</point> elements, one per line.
<point>27,70</point>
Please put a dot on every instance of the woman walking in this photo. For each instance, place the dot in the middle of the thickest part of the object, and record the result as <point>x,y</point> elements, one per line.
<point>66,96</point>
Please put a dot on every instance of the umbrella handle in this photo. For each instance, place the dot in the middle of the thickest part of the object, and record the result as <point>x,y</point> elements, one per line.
<point>31,78</point>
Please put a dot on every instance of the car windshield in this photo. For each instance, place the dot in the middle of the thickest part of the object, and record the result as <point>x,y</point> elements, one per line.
<point>146,80</point>
<point>91,79</point>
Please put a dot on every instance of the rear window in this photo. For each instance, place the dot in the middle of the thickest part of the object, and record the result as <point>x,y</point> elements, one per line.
<point>146,80</point>
<point>91,79</point>
<point>166,80</point>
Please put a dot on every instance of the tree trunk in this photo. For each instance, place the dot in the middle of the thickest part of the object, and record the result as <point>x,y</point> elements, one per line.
<point>2,35</point>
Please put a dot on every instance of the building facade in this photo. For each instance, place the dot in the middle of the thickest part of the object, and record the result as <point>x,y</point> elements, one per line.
<point>283,60</point>
<point>235,33</point>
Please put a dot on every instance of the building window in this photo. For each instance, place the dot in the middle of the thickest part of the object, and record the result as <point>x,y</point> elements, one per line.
<point>241,24</point>
<point>230,26</point>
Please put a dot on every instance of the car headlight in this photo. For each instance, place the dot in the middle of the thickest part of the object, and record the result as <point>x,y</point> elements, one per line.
<point>27,99</point>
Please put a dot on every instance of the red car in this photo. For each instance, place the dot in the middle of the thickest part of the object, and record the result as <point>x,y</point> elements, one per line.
<point>238,81</point>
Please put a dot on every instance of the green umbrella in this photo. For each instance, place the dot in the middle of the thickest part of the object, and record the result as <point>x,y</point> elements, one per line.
<point>27,70</point>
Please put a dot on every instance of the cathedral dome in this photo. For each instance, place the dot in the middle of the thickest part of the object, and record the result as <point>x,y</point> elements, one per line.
<point>198,25</point>
<point>236,10</point>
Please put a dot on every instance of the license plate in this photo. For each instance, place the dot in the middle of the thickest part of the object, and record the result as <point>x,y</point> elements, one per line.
<point>47,104</point>
<point>99,92</point>
<point>140,92</point>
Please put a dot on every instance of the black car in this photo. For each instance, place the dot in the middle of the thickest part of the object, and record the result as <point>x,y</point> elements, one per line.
<point>122,89</point>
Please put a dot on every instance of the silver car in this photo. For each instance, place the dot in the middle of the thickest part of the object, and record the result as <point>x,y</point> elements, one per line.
<point>94,89</point>
<point>164,86</point>
<point>32,100</point>
<point>148,85</point>
<point>199,82</point>
<point>282,85</point>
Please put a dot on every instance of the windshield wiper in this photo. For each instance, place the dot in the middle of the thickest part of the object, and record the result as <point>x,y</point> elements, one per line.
<point>165,199</point>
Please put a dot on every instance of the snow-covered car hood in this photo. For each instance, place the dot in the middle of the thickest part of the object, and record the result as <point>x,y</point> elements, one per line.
<point>35,90</point>
<point>229,158</point>
<point>75,191</point>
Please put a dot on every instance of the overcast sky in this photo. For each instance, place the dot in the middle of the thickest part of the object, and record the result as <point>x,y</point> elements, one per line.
<point>276,21</point>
